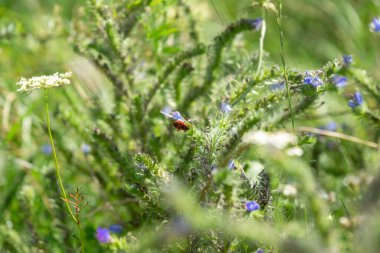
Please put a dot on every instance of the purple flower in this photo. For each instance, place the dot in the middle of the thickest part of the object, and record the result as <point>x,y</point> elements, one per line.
<point>103,235</point>
<point>231,164</point>
<point>116,229</point>
<point>339,81</point>
<point>347,60</point>
<point>252,206</point>
<point>225,108</point>
<point>256,23</point>
<point>86,149</point>
<point>357,100</point>
<point>259,251</point>
<point>374,26</point>
<point>315,81</point>
<point>46,149</point>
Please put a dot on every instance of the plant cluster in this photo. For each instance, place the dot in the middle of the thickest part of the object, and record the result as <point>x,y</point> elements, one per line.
<point>183,146</point>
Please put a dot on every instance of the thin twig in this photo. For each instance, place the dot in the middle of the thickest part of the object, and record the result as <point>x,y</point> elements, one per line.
<point>338,136</point>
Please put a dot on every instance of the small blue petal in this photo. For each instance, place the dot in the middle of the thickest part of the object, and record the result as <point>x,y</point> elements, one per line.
<point>352,104</point>
<point>231,164</point>
<point>358,98</point>
<point>347,60</point>
<point>116,228</point>
<point>225,108</point>
<point>103,235</point>
<point>86,149</point>
<point>315,81</point>
<point>331,126</point>
<point>46,149</point>
<point>375,25</point>
<point>339,81</point>
<point>259,251</point>
<point>277,86</point>
<point>252,206</point>
<point>256,23</point>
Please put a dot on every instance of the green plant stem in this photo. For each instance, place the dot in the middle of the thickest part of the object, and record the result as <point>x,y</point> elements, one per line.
<point>284,63</point>
<point>57,168</point>
<point>262,36</point>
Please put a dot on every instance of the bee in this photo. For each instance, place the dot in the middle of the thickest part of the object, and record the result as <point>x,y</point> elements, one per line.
<point>179,122</point>
<point>181,125</point>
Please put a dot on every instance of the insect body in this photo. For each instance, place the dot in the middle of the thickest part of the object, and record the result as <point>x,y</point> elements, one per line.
<point>178,121</point>
<point>181,125</point>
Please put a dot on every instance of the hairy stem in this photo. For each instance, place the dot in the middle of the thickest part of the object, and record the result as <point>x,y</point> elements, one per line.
<point>57,168</point>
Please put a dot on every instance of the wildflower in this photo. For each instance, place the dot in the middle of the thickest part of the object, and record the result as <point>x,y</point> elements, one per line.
<point>375,25</point>
<point>259,251</point>
<point>116,229</point>
<point>46,149</point>
<point>357,100</point>
<point>309,79</point>
<point>225,108</point>
<point>55,80</point>
<point>347,60</point>
<point>331,126</point>
<point>231,164</point>
<point>103,235</point>
<point>252,206</point>
<point>289,190</point>
<point>256,23</point>
<point>86,149</point>
<point>339,81</point>
<point>277,86</point>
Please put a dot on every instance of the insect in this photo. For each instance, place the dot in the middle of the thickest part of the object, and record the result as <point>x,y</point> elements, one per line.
<point>181,125</point>
<point>179,122</point>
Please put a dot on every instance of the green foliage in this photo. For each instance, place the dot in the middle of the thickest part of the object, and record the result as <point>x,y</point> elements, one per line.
<point>136,62</point>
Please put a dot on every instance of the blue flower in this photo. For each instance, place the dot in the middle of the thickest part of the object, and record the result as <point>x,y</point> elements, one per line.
<point>315,81</point>
<point>347,60</point>
<point>86,149</point>
<point>46,149</point>
<point>375,25</point>
<point>277,86</point>
<point>231,164</point>
<point>225,108</point>
<point>339,81</point>
<point>103,235</point>
<point>259,251</point>
<point>357,100</point>
<point>256,23</point>
<point>252,206</point>
<point>331,126</point>
<point>116,228</point>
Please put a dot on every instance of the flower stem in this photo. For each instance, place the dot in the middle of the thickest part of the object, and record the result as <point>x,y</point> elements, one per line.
<point>262,36</point>
<point>279,23</point>
<point>57,169</point>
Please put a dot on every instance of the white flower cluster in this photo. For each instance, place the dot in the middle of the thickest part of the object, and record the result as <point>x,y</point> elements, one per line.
<point>39,82</point>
